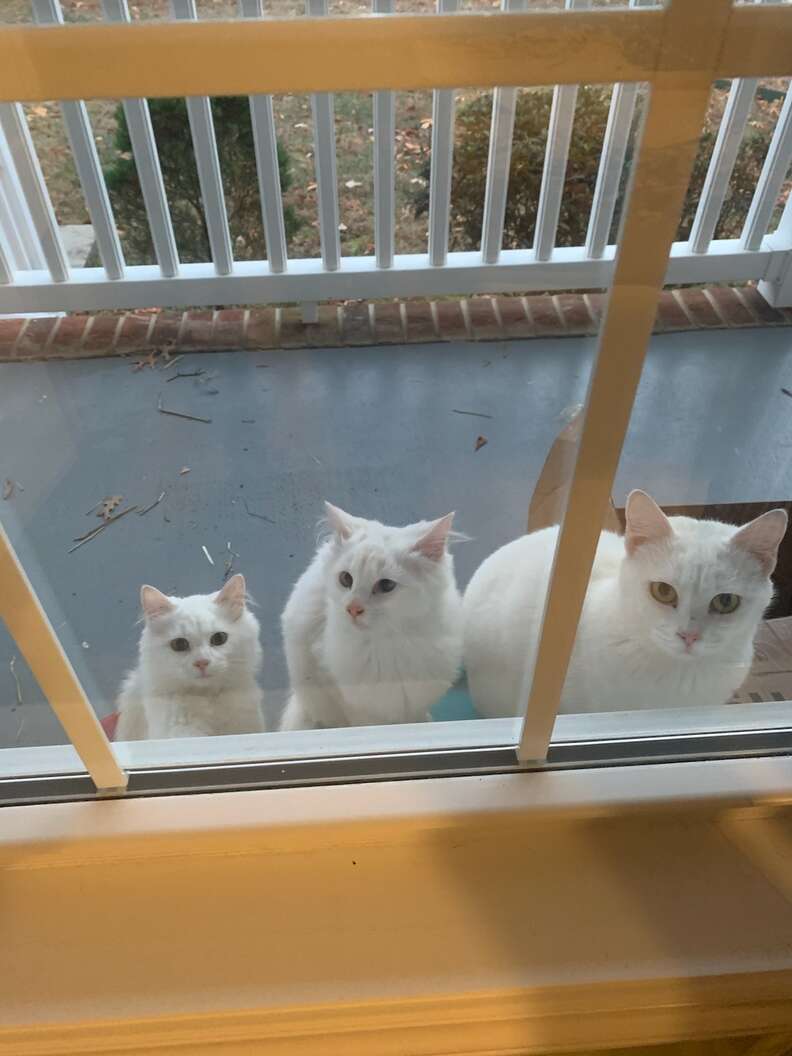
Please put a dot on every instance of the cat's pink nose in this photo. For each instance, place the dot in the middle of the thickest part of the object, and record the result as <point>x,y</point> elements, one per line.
<point>689,637</point>
<point>355,609</point>
<point>201,664</point>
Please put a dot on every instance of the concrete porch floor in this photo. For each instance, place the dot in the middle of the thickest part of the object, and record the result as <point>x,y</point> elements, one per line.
<point>375,430</point>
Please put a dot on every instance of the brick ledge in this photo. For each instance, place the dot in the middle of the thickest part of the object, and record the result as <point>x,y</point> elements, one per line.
<point>361,323</point>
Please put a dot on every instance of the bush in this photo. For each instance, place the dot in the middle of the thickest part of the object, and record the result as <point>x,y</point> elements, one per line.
<point>530,139</point>
<point>234,133</point>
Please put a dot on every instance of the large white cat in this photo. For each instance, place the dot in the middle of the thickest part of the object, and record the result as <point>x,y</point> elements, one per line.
<point>373,627</point>
<point>669,618</point>
<point>196,673</point>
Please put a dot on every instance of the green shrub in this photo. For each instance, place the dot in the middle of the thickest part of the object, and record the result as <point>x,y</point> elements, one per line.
<point>530,139</point>
<point>234,133</point>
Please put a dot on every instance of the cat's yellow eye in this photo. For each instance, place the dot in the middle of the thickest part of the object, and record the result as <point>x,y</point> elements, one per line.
<point>664,593</point>
<point>723,604</point>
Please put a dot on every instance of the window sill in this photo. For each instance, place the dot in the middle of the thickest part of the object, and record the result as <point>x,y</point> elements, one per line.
<point>528,913</point>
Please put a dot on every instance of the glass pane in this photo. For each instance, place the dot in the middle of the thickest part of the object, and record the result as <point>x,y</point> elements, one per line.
<point>687,623</point>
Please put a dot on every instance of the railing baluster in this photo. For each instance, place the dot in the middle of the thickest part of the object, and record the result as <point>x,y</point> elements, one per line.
<point>771,179</point>
<point>442,162</point>
<point>559,132</point>
<point>86,161</point>
<point>23,154</point>
<point>384,164</point>
<point>144,149</point>
<point>325,161</point>
<point>199,112</point>
<point>504,105</point>
<point>724,155</point>
<point>614,151</point>
<point>265,141</point>
<point>6,267</point>
<point>22,243</point>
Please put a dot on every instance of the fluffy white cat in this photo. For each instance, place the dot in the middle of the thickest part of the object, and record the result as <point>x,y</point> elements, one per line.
<point>669,617</point>
<point>197,666</point>
<point>373,627</point>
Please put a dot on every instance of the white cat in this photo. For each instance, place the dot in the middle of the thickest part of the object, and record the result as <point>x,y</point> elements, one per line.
<point>669,618</point>
<point>373,627</point>
<point>196,673</point>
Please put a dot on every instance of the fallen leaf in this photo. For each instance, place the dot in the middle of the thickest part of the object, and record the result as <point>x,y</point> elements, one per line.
<point>343,227</point>
<point>480,442</point>
<point>183,470</point>
<point>311,187</point>
<point>8,488</point>
<point>106,506</point>
<point>353,183</point>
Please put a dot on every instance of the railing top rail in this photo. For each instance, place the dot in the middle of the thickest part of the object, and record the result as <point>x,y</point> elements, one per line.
<point>396,52</point>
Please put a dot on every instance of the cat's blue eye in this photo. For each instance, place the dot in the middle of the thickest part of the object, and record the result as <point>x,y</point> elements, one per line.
<point>179,645</point>
<point>384,586</point>
<point>345,579</point>
<point>218,638</point>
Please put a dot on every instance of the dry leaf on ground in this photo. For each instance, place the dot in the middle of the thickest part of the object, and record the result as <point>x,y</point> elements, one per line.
<point>107,505</point>
<point>480,442</point>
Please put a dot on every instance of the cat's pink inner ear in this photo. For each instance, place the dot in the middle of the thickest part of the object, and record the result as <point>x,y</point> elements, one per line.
<point>340,522</point>
<point>232,596</point>
<point>762,537</point>
<point>154,603</point>
<point>433,543</point>
<point>646,522</point>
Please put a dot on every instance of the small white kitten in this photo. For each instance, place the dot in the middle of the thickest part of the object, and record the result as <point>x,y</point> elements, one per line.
<point>196,673</point>
<point>669,617</point>
<point>372,630</point>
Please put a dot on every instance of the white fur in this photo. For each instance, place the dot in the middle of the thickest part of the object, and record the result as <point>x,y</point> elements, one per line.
<point>628,653</point>
<point>399,656</point>
<point>166,695</point>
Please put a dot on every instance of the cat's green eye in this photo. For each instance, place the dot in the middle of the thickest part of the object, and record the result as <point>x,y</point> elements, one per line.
<point>664,593</point>
<point>218,638</point>
<point>384,586</point>
<point>723,604</point>
<point>345,579</point>
<point>179,645</point>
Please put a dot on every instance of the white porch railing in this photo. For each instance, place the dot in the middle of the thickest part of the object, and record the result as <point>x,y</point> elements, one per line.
<point>35,275</point>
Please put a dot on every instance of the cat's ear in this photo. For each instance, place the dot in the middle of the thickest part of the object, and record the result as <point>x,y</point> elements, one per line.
<point>762,537</point>
<point>232,596</point>
<point>433,543</point>
<point>154,603</point>
<point>646,522</point>
<point>341,523</point>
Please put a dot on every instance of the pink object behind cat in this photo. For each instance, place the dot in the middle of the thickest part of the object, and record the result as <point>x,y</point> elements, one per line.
<point>109,723</point>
